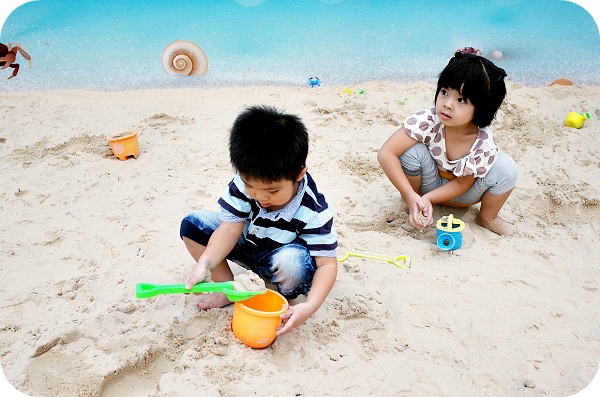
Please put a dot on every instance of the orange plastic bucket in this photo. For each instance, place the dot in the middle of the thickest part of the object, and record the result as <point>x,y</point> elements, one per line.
<point>124,144</point>
<point>255,320</point>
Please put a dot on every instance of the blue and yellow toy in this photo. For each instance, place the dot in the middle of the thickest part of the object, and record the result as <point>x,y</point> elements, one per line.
<point>449,233</point>
<point>576,119</point>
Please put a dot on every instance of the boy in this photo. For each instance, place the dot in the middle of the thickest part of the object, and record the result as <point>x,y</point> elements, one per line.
<point>273,220</point>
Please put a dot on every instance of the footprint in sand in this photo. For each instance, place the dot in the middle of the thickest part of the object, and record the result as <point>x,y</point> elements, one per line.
<point>163,119</point>
<point>21,192</point>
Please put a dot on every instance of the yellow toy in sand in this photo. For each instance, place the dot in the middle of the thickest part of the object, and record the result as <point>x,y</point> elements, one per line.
<point>576,120</point>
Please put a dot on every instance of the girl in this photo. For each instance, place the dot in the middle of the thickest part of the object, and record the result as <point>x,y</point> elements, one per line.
<point>447,155</point>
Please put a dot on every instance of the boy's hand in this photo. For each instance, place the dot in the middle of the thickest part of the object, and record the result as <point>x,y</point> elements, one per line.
<point>295,316</point>
<point>322,283</point>
<point>200,273</point>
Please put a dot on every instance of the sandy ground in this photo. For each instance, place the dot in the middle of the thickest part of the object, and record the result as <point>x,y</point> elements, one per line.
<point>501,316</point>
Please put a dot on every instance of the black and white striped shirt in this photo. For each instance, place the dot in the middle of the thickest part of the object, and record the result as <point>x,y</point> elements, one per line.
<point>307,216</point>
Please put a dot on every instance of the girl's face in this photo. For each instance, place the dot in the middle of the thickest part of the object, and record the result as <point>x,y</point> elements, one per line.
<point>453,109</point>
<point>272,196</point>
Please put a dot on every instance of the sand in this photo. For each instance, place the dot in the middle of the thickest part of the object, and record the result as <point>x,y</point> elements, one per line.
<point>249,281</point>
<point>501,316</point>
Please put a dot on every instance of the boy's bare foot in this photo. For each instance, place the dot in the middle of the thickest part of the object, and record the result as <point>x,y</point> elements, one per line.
<point>497,225</point>
<point>212,300</point>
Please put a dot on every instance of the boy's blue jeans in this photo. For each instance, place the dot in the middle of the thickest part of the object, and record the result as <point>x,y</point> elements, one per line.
<point>500,179</point>
<point>290,267</point>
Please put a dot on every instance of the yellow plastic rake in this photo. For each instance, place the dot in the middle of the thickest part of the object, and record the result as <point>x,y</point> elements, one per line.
<point>401,261</point>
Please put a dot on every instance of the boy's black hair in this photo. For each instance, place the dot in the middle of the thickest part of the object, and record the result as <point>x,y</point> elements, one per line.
<point>268,145</point>
<point>478,80</point>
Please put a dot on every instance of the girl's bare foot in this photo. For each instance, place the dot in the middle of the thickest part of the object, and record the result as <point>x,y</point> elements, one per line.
<point>404,206</point>
<point>212,300</point>
<point>497,225</point>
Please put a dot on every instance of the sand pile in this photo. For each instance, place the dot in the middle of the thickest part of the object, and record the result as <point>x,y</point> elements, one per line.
<point>500,316</point>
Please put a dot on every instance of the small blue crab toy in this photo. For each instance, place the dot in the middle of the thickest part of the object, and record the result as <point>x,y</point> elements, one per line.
<point>314,82</point>
<point>449,233</point>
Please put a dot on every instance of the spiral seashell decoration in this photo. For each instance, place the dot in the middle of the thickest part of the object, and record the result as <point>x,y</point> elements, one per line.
<point>561,81</point>
<point>184,58</point>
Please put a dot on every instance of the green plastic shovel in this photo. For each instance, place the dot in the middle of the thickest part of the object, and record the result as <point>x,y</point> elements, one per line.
<point>145,290</point>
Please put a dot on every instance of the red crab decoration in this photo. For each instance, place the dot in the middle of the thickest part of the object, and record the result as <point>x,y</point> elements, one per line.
<point>8,56</point>
<point>470,50</point>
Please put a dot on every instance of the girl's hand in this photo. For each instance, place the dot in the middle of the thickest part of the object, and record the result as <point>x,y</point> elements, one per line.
<point>426,216</point>
<point>295,316</point>
<point>420,211</point>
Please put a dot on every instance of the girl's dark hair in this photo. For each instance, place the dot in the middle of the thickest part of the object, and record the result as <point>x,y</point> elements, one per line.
<point>268,145</point>
<point>478,80</point>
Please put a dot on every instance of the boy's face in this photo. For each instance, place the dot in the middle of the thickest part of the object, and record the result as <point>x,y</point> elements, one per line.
<point>273,196</point>
<point>453,109</point>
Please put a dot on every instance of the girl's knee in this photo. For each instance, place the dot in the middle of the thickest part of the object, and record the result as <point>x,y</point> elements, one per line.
<point>413,159</point>
<point>510,170</point>
<point>503,175</point>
